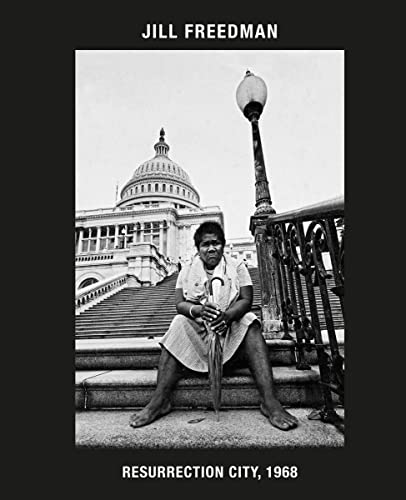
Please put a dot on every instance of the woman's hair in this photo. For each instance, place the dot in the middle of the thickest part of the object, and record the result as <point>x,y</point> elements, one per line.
<point>207,228</point>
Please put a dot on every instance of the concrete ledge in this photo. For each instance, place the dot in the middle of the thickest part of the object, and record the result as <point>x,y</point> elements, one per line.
<point>134,388</point>
<point>199,429</point>
<point>136,353</point>
<point>133,353</point>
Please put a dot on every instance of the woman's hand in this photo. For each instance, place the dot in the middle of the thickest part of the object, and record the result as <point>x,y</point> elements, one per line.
<point>220,325</point>
<point>210,312</point>
<point>215,317</point>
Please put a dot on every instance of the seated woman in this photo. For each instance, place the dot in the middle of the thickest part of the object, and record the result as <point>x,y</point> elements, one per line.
<point>185,344</point>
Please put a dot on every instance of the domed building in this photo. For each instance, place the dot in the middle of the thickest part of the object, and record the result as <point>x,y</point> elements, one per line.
<point>159,180</point>
<point>150,229</point>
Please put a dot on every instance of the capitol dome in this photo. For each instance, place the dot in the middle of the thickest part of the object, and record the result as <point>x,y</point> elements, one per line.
<point>159,180</point>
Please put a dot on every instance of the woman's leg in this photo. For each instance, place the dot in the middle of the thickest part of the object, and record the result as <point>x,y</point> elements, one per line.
<point>169,372</point>
<point>257,356</point>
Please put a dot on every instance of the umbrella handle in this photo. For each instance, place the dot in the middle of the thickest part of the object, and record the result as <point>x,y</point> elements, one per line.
<point>211,295</point>
<point>211,284</point>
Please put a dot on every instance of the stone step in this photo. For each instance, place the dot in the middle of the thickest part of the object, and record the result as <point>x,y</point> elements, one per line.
<point>125,320</point>
<point>133,313</point>
<point>136,309</point>
<point>118,335</point>
<point>127,305</point>
<point>132,328</point>
<point>151,321</point>
<point>143,291</point>
<point>117,324</point>
<point>141,327</point>
<point>137,296</point>
<point>115,312</point>
<point>141,294</point>
<point>152,305</point>
<point>134,388</point>
<point>199,429</point>
<point>138,300</point>
<point>112,354</point>
<point>129,310</point>
<point>101,308</point>
<point>159,322</point>
<point>129,313</point>
<point>136,353</point>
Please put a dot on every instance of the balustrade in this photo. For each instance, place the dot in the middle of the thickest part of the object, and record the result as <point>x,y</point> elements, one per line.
<point>89,258</point>
<point>96,290</point>
<point>308,296</point>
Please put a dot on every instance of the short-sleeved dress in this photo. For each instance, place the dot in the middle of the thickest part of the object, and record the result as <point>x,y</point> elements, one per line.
<point>187,340</point>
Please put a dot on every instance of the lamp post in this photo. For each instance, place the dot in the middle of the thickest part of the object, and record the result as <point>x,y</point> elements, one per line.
<point>251,97</point>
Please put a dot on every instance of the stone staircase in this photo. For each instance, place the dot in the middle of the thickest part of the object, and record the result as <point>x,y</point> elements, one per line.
<point>117,353</point>
<point>147,312</point>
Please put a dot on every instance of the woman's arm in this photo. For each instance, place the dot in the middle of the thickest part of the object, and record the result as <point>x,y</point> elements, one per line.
<point>188,309</point>
<point>210,313</point>
<point>242,306</point>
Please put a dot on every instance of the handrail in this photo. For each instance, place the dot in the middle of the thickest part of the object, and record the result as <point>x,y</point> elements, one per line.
<point>330,208</point>
<point>307,295</point>
<point>99,284</point>
<point>95,291</point>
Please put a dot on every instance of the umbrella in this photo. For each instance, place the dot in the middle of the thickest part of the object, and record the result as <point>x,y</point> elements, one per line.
<point>215,357</point>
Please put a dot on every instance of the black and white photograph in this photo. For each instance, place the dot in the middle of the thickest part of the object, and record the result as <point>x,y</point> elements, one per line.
<point>209,252</point>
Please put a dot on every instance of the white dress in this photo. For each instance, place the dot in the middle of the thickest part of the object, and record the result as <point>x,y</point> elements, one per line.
<point>187,340</point>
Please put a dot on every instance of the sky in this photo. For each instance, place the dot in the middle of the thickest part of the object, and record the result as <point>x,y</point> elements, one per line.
<point>123,98</point>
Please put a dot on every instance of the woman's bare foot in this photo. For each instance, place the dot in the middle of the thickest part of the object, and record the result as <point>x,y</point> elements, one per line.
<point>150,413</point>
<point>278,416</point>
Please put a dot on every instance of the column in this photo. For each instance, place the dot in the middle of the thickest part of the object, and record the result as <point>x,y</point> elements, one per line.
<point>108,238</point>
<point>141,232</point>
<point>135,234</point>
<point>125,235</point>
<point>115,235</point>
<point>179,242</point>
<point>80,241</point>
<point>98,239</point>
<point>169,252</point>
<point>184,243</point>
<point>161,237</point>
<point>188,242</point>
<point>165,241</point>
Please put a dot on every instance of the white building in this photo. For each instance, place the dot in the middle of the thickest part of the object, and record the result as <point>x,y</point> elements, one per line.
<point>151,227</point>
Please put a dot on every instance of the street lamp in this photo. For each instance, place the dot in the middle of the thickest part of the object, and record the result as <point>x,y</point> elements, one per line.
<point>251,98</point>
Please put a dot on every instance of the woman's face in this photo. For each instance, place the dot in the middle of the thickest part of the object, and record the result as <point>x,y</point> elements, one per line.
<point>210,250</point>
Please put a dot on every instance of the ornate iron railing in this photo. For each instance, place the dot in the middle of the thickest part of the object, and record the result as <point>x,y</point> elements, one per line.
<point>309,295</point>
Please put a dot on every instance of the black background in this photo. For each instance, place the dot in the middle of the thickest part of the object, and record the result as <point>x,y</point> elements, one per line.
<point>44,115</point>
